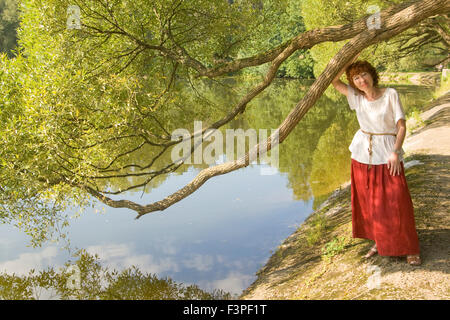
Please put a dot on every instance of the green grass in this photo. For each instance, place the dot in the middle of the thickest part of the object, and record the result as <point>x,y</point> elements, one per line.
<point>317,228</point>
<point>443,88</point>
<point>335,246</point>
<point>418,121</point>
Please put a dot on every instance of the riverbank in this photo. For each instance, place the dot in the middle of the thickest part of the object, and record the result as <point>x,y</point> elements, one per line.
<point>321,260</point>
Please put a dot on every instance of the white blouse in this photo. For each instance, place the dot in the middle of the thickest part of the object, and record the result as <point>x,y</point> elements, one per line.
<point>379,116</point>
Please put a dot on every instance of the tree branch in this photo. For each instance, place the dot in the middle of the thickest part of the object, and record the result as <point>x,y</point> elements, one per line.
<point>394,21</point>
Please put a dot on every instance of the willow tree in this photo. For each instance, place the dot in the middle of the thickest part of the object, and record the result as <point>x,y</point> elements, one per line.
<point>96,83</point>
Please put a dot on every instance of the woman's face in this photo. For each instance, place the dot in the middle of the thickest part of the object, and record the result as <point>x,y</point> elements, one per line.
<point>363,80</point>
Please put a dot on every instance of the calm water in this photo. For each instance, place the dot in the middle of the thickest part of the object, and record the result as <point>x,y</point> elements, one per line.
<point>219,236</point>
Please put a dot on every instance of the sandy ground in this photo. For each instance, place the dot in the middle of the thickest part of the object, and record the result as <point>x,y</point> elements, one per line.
<point>433,138</point>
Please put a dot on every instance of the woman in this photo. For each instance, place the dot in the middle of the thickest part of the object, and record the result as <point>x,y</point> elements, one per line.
<point>382,209</point>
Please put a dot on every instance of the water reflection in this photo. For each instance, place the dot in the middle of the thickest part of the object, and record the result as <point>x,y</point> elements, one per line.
<point>218,237</point>
<point>87,279</point>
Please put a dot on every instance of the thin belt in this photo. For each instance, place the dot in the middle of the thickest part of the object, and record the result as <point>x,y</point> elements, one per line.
<point>371,134</point>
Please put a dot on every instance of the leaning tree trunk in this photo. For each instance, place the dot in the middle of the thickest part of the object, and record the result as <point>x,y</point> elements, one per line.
<point>393,20</point>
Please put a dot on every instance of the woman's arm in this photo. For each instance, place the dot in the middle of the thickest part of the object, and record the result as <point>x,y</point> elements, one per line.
<point>401,133</point>
<point>394,159</point>
<point>337,83</point>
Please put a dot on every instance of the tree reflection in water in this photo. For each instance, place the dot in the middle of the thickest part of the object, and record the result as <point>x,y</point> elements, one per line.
<point>86,279</point>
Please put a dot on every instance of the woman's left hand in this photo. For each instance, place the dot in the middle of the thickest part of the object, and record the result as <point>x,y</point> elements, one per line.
<point>393,164</point>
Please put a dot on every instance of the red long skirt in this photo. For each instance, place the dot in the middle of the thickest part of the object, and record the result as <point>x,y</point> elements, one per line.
<point>382,209</point>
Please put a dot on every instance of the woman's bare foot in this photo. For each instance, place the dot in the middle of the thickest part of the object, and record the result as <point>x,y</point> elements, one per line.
<point>414,260</point>
<point>371,252</point>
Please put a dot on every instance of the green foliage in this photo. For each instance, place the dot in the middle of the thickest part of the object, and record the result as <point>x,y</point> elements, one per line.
<point>334,247</point>
<point>317,227</point>
<point>281,21</point>
<point>99,283</point>
<point>417,121</point>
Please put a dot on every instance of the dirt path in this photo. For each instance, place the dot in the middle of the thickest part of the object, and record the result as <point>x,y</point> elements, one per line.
<point>333,267</point>
<point>433,137</point>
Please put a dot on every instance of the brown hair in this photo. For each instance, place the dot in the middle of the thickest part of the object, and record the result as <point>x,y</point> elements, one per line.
<point>361,66</point>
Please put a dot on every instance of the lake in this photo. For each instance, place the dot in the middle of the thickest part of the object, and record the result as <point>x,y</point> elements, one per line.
<point>222,234</point>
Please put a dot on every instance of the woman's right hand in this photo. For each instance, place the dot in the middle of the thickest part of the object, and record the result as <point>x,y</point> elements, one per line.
<point>350,62</point>
<point>338,76</point>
